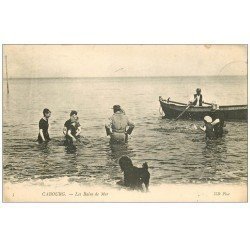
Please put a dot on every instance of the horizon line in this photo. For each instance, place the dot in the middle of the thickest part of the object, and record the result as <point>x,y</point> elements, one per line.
<point>81,77</point>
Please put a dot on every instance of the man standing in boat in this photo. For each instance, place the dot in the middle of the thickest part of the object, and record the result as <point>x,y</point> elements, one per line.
<point>119,126</point>
<point>197,100</point>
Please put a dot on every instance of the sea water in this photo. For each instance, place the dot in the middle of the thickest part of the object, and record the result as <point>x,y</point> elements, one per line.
<point>175,151</point>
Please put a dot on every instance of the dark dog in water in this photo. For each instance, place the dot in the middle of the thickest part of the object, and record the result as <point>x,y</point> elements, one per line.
<point>134,177</point>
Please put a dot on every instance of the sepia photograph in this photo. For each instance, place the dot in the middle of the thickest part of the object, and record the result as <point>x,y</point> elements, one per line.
<point>125,123</point>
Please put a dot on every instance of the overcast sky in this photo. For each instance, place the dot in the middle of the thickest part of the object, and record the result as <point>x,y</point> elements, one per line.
<point>124,60</point>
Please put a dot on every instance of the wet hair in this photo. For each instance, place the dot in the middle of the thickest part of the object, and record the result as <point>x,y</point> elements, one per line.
<point>73,112</point>
<point>125,162</point>
<point>116,108</point>
<point>46,111</point>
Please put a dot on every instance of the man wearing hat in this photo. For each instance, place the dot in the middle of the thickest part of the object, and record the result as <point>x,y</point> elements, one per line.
<point>197,100</point>
<point>119,126</point>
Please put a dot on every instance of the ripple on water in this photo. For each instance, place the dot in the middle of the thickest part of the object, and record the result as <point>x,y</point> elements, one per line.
<point>174,150</point>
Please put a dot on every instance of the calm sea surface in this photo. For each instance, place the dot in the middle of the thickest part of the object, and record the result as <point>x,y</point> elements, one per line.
<point>175,152</point>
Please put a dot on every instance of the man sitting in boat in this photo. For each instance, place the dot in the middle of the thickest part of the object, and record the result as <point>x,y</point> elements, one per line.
<point>197,99</point>
<point>119,126</point>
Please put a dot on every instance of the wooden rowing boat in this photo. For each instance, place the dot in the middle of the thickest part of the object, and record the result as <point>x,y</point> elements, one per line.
<point>173,109</point>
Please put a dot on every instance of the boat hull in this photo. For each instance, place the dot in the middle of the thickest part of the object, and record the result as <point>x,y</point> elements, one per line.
<point>172,111</point>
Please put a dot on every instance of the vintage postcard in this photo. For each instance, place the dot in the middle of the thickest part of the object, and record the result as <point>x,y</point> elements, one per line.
<point>124,123</point>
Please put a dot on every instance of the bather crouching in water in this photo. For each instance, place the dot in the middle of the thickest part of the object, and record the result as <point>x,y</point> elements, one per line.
<point>213,129</point>
<point>208,128</point>
<point>134,177</point>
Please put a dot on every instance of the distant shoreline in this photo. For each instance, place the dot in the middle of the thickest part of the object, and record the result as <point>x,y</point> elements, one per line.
<point>129,77</point>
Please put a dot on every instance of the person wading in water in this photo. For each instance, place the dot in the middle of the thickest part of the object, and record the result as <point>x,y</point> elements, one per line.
<point>218,121</point>
<point>72,128</point>
<point>119,126</point>
<point>43,135</point>
<point>208,128</point>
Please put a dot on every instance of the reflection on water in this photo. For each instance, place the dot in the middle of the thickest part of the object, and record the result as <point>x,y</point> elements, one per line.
<point>214,153</point>
<point>175,151</point>
<point>118,150</point>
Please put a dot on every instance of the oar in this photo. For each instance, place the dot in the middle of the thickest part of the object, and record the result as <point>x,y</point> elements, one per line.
<point>208,103</point>
<point>183,112</point>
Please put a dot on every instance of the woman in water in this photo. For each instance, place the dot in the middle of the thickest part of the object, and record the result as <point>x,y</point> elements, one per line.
<point>43,135</point>
<point>72,128</point>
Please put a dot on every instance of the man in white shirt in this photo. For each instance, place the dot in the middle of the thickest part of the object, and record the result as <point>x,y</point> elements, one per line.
<point>197,99</point>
